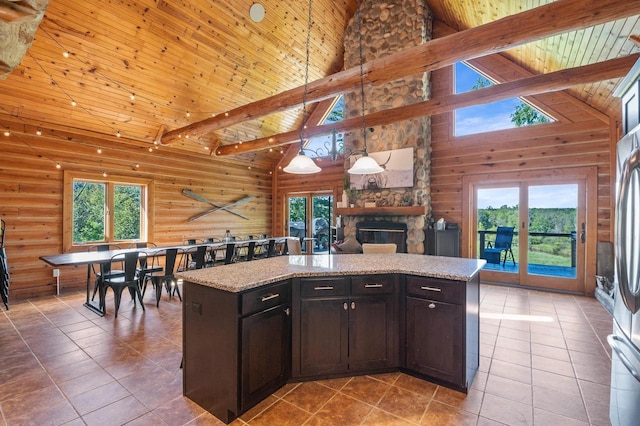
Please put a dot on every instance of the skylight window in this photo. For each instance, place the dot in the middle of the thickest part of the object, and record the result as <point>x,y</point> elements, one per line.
<point>320,145</point>
<point>500,115</point>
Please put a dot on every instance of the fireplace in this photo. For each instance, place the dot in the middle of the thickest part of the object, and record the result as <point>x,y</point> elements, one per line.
<point>383,232</point>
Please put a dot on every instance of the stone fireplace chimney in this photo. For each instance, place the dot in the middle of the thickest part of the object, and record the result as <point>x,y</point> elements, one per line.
<point>388,27</point>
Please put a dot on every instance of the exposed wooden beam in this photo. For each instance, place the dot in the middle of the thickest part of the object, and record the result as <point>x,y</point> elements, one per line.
<point>14,10</point>
<point>544,83</point>
<point>534,24</point>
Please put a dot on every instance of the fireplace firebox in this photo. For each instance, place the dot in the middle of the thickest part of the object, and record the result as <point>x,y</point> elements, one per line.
<point>383,232</point>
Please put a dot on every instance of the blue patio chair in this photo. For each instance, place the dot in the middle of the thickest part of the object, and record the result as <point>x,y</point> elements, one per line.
<point>493,252</point>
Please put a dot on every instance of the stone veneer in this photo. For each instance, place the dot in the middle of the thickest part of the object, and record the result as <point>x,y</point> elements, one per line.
<point>388,26</point>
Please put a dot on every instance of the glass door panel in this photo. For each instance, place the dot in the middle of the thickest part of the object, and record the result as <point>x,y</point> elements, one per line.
<point>498,207</point>
<point>553,218</point>
<point>298,218</point>
<point>321,206</point>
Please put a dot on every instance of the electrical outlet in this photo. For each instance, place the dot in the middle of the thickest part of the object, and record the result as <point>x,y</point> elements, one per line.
<point>56,273</point>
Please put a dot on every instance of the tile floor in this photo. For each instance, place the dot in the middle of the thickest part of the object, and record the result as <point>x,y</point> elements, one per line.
<point>544,361</point>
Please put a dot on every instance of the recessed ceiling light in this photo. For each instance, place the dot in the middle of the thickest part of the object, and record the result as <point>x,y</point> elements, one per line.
<point>256,12</point>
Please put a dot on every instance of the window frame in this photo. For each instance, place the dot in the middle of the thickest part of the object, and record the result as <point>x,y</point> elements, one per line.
<point>146,206</point>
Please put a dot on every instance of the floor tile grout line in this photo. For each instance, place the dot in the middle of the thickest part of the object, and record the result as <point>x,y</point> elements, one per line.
<point>54,382</point>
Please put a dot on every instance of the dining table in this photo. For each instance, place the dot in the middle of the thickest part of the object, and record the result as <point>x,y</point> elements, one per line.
<point>94,257</point>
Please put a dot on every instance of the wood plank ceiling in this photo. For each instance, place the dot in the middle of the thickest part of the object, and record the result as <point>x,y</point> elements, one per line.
<point>143,67</point>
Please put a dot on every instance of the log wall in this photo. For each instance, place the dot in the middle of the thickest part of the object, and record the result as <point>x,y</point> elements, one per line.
<point>31,197</point>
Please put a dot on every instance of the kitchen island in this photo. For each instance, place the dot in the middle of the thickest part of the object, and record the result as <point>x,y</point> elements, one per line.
<point>251,327</point>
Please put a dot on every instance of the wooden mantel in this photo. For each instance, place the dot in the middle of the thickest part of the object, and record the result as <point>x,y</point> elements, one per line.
<point>382,211</point>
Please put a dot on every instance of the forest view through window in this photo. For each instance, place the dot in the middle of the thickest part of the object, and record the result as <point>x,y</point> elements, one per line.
<point>107,211</point>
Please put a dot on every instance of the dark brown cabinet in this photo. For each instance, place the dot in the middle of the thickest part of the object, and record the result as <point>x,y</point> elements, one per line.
<point>346,324</point>
<point>441,343</point>
<point>434,339</point>
<point>236,346</point>
<point>265,347</point>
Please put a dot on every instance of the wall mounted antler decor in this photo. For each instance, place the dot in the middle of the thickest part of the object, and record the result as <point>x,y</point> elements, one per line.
<point>216,206</point>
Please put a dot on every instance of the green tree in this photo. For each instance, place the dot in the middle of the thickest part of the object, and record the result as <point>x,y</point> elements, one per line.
<point>337,113</point>
<point>482,82</point>
<point>524,115</point>
<point>297,209</point>
<point>127,212</point>
<point>88,212</point>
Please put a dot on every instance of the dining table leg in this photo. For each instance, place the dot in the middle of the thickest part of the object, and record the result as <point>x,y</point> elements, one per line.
<point>89,303</point>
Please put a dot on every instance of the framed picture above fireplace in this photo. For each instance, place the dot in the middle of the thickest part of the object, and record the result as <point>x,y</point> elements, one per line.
<point>398,170</point>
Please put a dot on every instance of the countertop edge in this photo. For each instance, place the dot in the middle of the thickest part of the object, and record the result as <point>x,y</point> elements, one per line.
<point>288,267</point>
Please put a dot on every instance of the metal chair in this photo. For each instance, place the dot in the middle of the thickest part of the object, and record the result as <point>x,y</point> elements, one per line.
<point>98,271</point>
<point>165,278</point>
<point>118,282</point>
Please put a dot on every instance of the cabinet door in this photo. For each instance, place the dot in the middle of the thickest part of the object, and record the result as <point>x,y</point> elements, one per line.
<point>323,336</point>
<point>434,339</point>
<point>266,354</point>
<point>371,332</point>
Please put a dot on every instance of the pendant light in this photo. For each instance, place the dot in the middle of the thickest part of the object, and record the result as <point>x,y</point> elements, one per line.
<point>301,164</point>
<point>364,165</point>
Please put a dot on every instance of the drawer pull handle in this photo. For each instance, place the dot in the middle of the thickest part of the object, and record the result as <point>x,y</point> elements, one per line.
<point>430,288</point>
<point>353,305</point>
<point>373,286</point>
<point>323,287</point>
<point>270,296</point>
<point>432,305</point>
<point>345,306</point>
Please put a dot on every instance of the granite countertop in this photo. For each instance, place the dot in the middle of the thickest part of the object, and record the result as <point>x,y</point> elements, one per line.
<point>247,275</point>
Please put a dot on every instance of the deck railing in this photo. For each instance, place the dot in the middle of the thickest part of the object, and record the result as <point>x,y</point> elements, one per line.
<point>571,236</point>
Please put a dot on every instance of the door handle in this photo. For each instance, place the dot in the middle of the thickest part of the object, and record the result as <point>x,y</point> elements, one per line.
<point>582,234</point>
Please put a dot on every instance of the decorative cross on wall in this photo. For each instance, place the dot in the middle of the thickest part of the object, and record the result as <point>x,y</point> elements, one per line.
<point>216,206</point>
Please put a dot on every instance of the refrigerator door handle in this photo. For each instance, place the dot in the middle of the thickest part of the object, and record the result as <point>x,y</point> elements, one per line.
<point>617,344</point>
<point>627,232</point>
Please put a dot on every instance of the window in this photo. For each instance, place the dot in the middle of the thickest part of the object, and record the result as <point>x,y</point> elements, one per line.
<point>500,115</point>
<point>105,209</point>
<point>319,146</point>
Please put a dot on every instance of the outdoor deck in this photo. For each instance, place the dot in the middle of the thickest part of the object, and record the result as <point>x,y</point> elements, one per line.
<point>554,271</point>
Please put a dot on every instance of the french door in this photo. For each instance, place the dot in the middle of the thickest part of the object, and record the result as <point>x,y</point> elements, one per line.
<point>309,218</point>
<point>553,223</point>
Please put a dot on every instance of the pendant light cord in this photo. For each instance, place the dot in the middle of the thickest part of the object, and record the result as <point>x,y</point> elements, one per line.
<point>364,120</point>
<point>306,81</point>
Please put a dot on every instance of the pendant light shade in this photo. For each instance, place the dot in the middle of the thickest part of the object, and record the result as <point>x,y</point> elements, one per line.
<point>302,165</point>
<point>365,165</point>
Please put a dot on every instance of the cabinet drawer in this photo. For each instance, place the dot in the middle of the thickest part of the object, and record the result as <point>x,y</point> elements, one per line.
<point>264,298</point>
<point>324,287</point>
<point>436,289</point>
<point>372,284</point>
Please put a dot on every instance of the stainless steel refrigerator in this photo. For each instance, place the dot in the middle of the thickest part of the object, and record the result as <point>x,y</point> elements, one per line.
<point>625,340</point>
